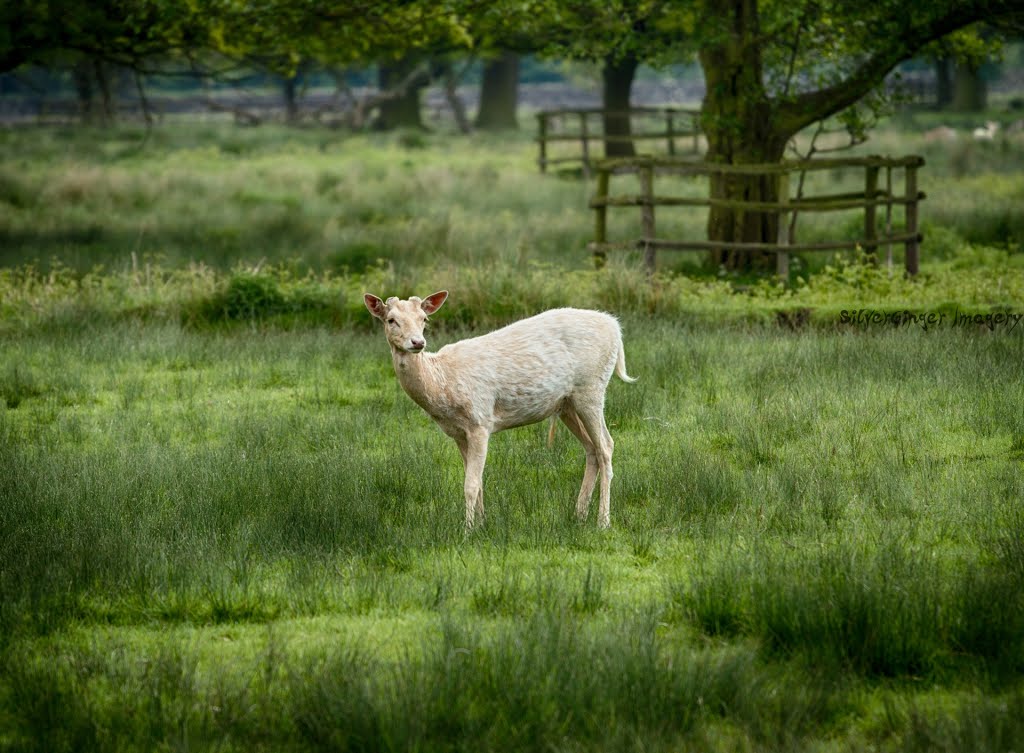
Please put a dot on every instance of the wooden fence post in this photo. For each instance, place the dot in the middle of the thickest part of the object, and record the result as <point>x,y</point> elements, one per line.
<point>585,137</point>
<point>782,255</point>
<point>647,213</point>
<point>601,217</point>
<point>669,126</point>
<point>870,222</point>
<point>911,252</point>
<point>542,138</point>
<point>888,218</point>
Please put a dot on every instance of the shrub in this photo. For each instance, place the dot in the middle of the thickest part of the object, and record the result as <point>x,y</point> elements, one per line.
<point>259,297</point>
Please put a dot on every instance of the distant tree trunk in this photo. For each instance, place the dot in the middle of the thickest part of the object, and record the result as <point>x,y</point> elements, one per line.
<point>82,74</point>
<point>103,78</point>
<point>147,112</point>
<point>446,71</point>
<point>617,84</point>
<point>499,94</point>
<point>291,98</point>
<point>403,109</point>
<point>943,83</point>
<point>95,97</point>
<point>970,92</point>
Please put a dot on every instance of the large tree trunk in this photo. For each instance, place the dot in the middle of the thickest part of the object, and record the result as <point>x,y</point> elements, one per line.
<point>403,109</point>
<point>617,79</point>
<point>499,94</point>
<point>970,92</point>
<point>741,127</point>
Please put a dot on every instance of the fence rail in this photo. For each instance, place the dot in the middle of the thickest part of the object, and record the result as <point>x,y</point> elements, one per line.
<point>785,208</point>
<point>677,128</point>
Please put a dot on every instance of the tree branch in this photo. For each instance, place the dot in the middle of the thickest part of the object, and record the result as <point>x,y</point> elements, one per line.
<point>794,51</point>
<point>804,109</point>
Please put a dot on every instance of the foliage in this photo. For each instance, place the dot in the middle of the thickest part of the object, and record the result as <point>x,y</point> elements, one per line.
<point>332,33</point>
<point>654,33</point>
<point>149,34</point>
<point>132,33</point>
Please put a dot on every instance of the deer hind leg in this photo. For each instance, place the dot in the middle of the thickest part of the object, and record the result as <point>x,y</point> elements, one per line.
<point>572,420</point>
<point>591,415</point>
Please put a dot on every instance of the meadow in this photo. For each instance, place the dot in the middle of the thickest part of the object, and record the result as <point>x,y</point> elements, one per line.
<point>223,526</point>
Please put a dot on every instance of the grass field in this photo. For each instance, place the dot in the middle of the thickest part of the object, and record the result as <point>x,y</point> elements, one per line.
<point>224,527</point>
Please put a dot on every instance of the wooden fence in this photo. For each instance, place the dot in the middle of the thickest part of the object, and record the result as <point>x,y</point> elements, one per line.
<point>580,128</point>
<point>871,199</point>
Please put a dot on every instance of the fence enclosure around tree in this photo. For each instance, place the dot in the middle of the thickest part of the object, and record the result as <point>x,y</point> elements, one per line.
<point>877,195</point>
<point>577,136</point>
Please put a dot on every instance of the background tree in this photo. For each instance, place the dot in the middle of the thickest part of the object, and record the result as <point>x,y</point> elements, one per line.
<point>102,43</point>
<point>959,59</point>
<point>404,80</point>
<point>502,32</point>
<point>620,36</point>
<point>499,92</point>
<point>399,36</point>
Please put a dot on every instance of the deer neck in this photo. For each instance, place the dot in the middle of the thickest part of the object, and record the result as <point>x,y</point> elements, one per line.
<point>417,373</point>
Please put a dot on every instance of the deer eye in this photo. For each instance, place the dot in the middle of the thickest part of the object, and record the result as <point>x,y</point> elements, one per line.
<point>391,320</point>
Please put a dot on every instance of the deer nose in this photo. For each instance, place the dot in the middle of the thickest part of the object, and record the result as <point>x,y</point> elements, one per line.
<point>418,343</point>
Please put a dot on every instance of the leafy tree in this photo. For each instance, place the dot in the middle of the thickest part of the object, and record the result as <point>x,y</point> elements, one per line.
<point>620,35</point>
<point>102,42</point>
<point>968,48</point>
<point>122,32</point>
<point>272,35</point>
<point>499,92</point>
<point>772,68</point>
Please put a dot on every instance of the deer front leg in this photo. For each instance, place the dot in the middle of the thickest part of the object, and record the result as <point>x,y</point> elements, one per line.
<point>474,454</point>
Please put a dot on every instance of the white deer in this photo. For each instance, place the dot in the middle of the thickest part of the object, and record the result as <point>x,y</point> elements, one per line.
<point>555,363</point>
<point>988,133</point>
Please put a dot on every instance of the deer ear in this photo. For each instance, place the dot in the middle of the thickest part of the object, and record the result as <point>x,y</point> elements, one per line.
<point>375,305</point>
<point>433,302</point>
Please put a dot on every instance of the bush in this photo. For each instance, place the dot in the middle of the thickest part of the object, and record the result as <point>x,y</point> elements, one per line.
<point>250,297</point>
<point>260,297</point>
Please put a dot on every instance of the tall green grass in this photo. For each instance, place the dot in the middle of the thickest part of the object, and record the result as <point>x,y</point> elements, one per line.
<point>328,201</point>
<point>548,681</point>
<point>894,611</point>
<point>160,467</point>
<point>223,526</point>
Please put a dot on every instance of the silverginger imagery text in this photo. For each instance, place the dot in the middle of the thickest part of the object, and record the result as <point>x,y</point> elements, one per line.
<point>1003,320</point>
